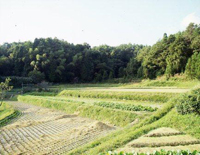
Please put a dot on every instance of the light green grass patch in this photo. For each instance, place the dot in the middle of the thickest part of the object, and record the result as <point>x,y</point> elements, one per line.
<point>7,113</point>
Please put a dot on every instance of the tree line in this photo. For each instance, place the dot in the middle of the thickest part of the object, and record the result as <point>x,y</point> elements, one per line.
<point>57,60</point>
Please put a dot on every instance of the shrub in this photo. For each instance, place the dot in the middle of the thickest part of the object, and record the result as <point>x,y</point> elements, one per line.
<point>189,103</point>
<point>127,107</point>
<point>37,76</point>
<point>17,81</point>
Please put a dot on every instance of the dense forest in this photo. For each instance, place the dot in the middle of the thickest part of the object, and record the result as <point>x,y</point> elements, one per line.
<point>56,60</point>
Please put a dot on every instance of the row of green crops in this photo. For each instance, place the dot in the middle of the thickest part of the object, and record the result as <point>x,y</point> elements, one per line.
<point>7,113</point>
<point>115,117</point>
<point>113,105</point>
<point>161,152</point>
<point>128,107</point>
<point>139,96</point>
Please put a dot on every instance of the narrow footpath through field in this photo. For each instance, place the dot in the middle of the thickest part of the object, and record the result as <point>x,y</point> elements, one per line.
<point>45,131</point>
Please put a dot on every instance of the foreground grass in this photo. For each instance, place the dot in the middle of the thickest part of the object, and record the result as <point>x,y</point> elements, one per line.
<point>7,113</point>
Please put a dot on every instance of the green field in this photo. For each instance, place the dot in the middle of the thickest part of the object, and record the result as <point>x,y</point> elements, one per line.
<point>135,111</point>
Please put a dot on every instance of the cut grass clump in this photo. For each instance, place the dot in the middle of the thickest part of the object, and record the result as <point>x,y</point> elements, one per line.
<point>115,117</point>
<point>164,131</point>
<point>127,107</point>
<point>164,141</point>
<point>142,96</point>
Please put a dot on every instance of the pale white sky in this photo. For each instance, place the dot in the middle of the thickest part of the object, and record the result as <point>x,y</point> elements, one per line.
<point>96,22</point>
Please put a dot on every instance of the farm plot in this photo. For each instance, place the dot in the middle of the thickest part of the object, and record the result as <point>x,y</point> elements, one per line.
<point>162,138</point>
<point>46,131</point>
<point>113,113</point>
<point>154,90</point>
<point>120,95</point>
<point>117,101</point>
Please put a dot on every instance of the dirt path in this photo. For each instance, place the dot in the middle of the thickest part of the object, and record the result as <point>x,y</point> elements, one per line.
<point>44,131</point>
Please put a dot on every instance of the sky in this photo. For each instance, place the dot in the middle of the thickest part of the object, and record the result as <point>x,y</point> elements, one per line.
<point>96,22</point>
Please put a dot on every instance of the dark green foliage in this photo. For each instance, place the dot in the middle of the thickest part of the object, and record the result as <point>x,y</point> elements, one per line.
<point>17,81</point>
<point>170,54</point>
<point>37,76</point>
<point>189,103</point>
<point>60,61</point>
<point>128,107</point>
<point>4,88</point>
<point>193,66</point>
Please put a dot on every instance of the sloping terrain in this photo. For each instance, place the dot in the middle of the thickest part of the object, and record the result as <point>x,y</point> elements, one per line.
<point>162,138</point>
<point>145,121</point>
<point>45,131</point>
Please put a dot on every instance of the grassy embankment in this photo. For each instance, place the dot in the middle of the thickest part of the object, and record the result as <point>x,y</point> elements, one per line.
<point>7,113</point>
<point>165,117</point>
<point>112,112</point>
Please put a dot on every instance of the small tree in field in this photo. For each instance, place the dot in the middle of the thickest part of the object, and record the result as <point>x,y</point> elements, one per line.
<point>4,87</point>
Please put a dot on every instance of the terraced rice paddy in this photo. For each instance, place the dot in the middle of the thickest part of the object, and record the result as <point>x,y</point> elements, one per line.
<point>89,115</point>
<point>45,131</point>
<point>162,138</point>
<point>155,90</point>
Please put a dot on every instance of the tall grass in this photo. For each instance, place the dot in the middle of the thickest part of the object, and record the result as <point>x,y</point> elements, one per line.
<point>127,107</point>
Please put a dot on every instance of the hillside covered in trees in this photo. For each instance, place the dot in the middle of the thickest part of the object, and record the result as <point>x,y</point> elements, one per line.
<point>56,60</point>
